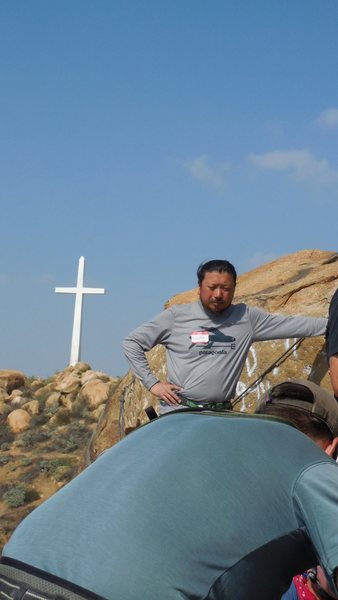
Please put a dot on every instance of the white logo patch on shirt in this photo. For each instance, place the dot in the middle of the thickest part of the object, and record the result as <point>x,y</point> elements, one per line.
<point>200,337</point>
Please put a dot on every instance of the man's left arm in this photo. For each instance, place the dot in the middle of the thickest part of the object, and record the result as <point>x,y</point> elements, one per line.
<point>271,326</point>
<point>332,343</point>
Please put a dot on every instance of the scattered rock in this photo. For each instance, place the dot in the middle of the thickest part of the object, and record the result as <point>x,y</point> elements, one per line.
<point>68,385</point>
<point>33,407</point>
<point>94,393</point>
<point>81,367</point>
<point>18,402</point>
<point>89,375</point>
<point>53,400</point>
<point>35,384</point>
<point>19,420</point>
<point>51,428</point>
<point>12,380</point>
<point>45,390</point>
<point>15,394</point>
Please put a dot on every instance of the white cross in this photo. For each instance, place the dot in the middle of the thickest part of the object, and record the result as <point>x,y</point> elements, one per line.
<point>79,292</point>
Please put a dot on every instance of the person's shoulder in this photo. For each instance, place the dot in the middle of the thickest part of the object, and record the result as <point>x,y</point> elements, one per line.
<point>236,311</point>
<point>247,309</point>
<point>186,307</point>
<point>320,471</point>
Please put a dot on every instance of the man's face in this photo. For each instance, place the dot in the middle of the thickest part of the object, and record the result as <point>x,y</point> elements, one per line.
<point>217,290</point>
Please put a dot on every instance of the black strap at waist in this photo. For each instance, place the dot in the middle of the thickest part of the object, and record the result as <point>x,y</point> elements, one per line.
<point>226,405</point>
<point>49,584</point>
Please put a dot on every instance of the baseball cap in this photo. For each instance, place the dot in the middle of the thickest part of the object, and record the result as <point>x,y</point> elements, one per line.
<point>308,397</point>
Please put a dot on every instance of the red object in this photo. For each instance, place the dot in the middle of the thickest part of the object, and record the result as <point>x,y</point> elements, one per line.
<point>301,585</point>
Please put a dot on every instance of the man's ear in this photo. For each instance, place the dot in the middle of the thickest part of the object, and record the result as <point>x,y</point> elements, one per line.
<point>331,448</point>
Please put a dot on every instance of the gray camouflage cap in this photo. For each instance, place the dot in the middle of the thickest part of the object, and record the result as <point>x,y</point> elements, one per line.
<point>308,397</point>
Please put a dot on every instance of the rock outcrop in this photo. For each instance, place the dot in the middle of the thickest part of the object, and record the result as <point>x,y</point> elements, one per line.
<point>300,283</point>
<point>71,391</point>
<point>46,425</point>
<point>11,380</point>
<point>45,429</point>
<point>19,420</point>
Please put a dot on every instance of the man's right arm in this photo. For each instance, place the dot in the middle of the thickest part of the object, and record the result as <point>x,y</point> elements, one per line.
<point>142,339</point>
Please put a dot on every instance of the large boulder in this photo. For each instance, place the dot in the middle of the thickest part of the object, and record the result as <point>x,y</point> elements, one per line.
<point>18,402</point>
<point>53,400</point>
<point>300,283</point>
<point>19,420</point>
<point>89,375</point>
<point>68,385</point>
<point>11,380</point>
<point>94,393</point>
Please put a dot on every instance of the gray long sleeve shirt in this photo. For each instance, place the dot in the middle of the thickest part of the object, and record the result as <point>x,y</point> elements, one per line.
<point>206,351</point>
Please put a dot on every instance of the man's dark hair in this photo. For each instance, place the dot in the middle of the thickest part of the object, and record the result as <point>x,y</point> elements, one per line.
<point>221,266</point>
<point>308,424</point>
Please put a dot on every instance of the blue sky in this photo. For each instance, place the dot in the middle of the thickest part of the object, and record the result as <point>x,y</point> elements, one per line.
<point>147,137</point>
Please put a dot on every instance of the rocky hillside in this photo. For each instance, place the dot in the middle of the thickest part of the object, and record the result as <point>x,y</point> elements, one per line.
<point>46,426</point>
<point>301,283</point>
<point>51,429</point>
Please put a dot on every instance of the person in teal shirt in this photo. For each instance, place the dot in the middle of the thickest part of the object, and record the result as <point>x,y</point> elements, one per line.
<point>195,505</point>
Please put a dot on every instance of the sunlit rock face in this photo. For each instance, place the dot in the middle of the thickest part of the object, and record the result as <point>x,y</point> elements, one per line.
<point>298,284</point>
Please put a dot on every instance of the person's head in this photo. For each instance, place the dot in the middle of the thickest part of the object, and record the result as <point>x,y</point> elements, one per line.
<point>217,283</point>
<point>307,407</point>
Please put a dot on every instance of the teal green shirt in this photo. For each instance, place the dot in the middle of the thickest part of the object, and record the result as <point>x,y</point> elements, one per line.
<point>195,506</point>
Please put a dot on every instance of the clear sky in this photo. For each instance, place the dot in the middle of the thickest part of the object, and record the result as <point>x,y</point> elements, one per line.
<point>148,137</point>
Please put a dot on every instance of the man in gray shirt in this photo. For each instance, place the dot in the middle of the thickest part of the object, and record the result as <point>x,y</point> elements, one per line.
<point>207,342</point>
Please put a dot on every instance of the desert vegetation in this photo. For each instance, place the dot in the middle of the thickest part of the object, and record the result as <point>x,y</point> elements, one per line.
<point>46,426</point>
